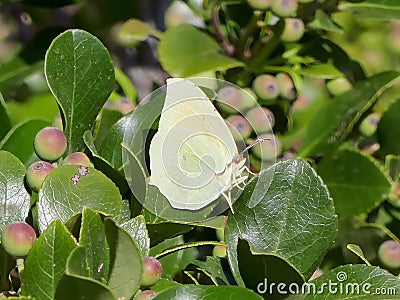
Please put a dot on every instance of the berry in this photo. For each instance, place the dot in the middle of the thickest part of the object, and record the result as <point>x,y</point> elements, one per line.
<point>318,272</point>
<point>145,295</point>
<point>36,174</point>
<point>286,86</point>
<point>266,87</point>
<point>152,270</point>
<point>219,251</point>
<point>50,143</point>
<point>77,158</point>
<point>124,105</point>
<point>284,8</point>
<point>338,86</point>
<point>369,125</point>
<point>389,254</point>
<point>268,149</point>
<point>18,238</point>
<point>261,119</point>
<point>239,125</point>
<point>259,4</point>
<point>293,31</point>
<point>232,99</point>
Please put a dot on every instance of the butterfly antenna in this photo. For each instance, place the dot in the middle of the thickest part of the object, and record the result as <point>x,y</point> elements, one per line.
<point>257,141</point>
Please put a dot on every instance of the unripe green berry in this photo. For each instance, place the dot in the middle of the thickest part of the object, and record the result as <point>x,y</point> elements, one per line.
<point>18,238</point>
<point>239,126</point>
<point>389,254</point>
<point>260,4</point>
<point>36,174</point>
<point>261,119</point>
<point>50,143</point>
<point>77,158</point>
<point>266,87</point>
<point>219,251</point>
<point>286,86</point>
<point>338,86</point>
<point>152,270</point>
<point>232,100</point>
<point>284,8</point>
<point>268,149</point>
<point>146,295</point>
<point>293,31</point>
<point>369,125</point>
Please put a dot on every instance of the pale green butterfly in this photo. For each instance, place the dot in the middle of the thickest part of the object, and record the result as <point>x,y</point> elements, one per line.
<point>193,156</point>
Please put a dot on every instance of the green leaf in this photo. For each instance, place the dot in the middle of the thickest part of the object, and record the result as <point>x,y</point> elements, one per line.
<point>336,119</point>
<point>361,282</point>
<point>327,71</point>
<point>323,21</point>
<point>77,287</point>
<point>19,140</point>
<point>126,261</point>
<point>80,75</point>
<point>388,130</point>
<point>212,267</point>
<point>292,217</point>
<point>184,50</point>
<point>46,262</point>
<point>107,119</point>
<point>65,192</point>
<point>135,30</point>
<point>14,199</point>
<point>356,182</point>
<point>374,9</point>
<point>93,238</point>
<point>5,125</point>
<point>136,228</point>
<point>201,292</point>
<point>126,84</point>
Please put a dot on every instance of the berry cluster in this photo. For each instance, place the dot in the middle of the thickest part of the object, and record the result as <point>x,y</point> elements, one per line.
<point>286,9</point>
<point>50,144</point>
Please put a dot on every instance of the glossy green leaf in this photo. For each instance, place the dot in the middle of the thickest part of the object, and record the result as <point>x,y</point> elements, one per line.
<point>136,228</point>
<point>107,119</point>
<point>46,262</point>
<point>388,130</point>
<point>203,292</point>
<point>356,182</point>
<point>212,267</point>
<point>5,125</point>
<point>14,199</point>
<point>77,287</point>
<point>93,238</point>
<point>327,71</point>
<point>126,265</point>
<point>292,217</point>
<point>19,140</point>
<point>80,74</point>
<point>360,282</point>
<point>135,30</point>
<point>336,119</point>
<point>184,50</point>
<point>68,189</point>
<point>324,21</point>
<point>374,9</point>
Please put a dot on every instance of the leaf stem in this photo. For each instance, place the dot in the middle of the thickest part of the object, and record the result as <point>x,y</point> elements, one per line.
<point>188,245</point>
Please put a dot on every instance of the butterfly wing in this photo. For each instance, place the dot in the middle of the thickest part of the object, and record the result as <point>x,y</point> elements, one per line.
<point>192,145</point>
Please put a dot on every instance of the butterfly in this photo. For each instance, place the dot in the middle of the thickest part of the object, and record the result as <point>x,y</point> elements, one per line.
<point>194,159</point>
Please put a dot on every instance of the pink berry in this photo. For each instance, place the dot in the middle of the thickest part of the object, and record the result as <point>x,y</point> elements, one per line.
<point>36,174</point>
<point>152,270</point>
<point>18,238</point>
<point>77,158</point>
<point>389,254</point>
<point>50,143</point>
<point>145,295</point>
